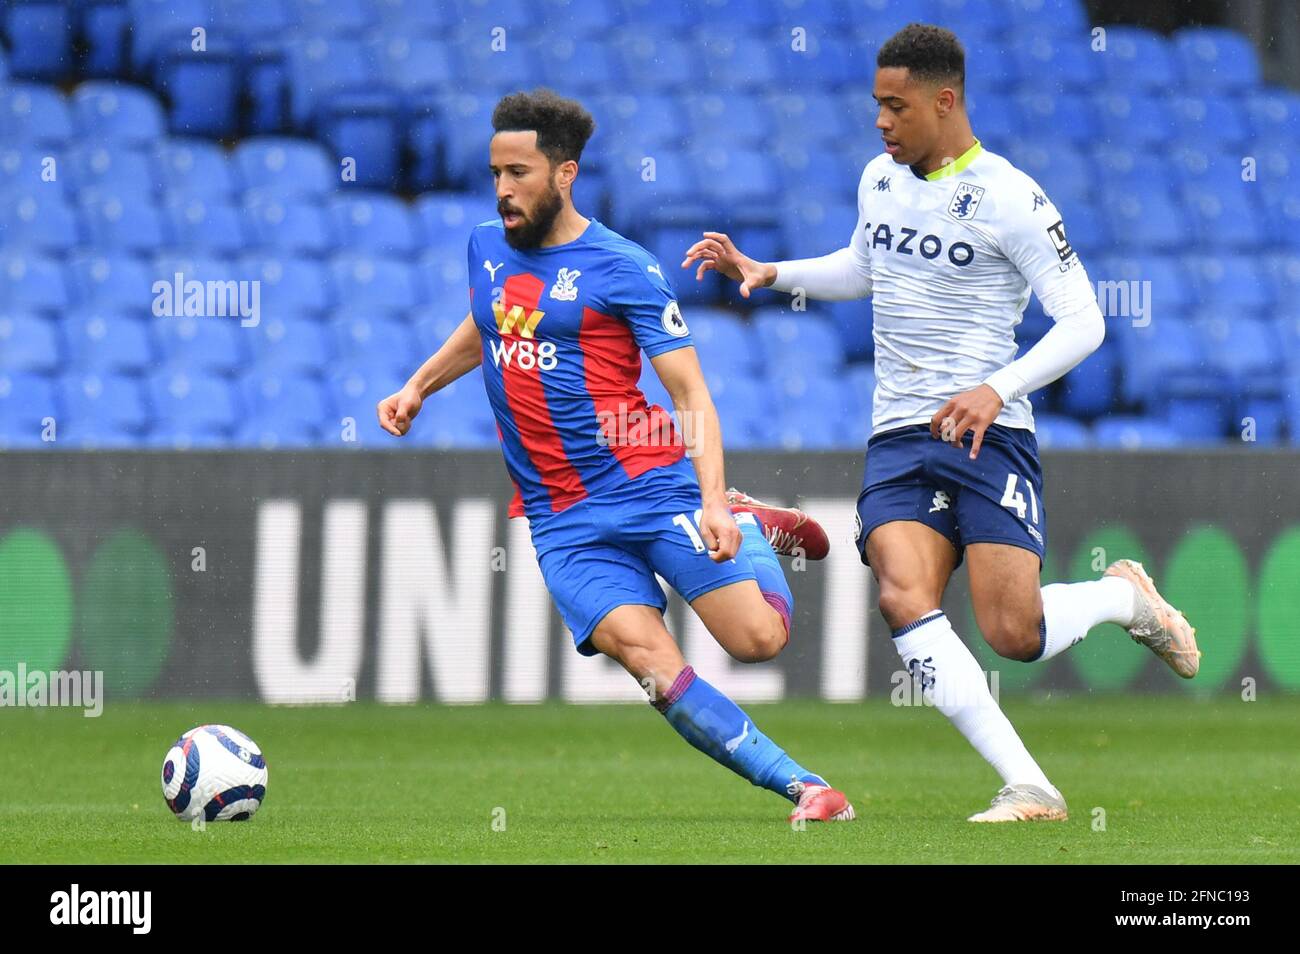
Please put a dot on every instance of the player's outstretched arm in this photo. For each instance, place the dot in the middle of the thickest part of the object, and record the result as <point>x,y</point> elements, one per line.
<point>460,354</point>
<point>680,372</point>
<point>843,275</point>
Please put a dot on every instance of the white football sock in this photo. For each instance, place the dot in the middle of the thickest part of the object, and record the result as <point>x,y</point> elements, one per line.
<point>952,680</point>
<point>1070,610</point>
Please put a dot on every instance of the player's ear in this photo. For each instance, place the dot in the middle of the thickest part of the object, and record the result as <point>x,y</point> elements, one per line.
<point>568,171</point>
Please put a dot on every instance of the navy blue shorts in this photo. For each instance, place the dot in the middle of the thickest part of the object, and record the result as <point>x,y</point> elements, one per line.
<point>996,498</point>
<point>605,551</point>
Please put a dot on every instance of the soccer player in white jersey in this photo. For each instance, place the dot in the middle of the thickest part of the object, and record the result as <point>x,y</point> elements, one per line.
<point>950,241</point>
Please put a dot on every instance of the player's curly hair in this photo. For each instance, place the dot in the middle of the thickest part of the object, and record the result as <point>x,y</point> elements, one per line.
<point>928,52</point>
<point>563,126</point>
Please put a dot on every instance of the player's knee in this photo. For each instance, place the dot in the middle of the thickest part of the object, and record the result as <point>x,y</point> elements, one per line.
<point>900,605</point>
<point>1013,637</point>
<point>759,640</point>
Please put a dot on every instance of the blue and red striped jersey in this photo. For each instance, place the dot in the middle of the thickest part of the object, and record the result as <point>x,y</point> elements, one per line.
<point>563,329</point>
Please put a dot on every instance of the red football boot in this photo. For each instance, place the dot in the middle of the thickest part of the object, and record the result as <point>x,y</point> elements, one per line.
<point>786,528</point>
<point>821,803</point>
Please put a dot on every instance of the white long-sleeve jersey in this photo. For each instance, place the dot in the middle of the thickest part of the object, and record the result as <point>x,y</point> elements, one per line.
<point>950,260</point>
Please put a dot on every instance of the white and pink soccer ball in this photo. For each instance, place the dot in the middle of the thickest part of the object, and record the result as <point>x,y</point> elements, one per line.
<point>215,773</point>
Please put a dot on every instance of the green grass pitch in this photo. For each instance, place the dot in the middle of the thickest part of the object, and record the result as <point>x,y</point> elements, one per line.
<point>1180,780</point>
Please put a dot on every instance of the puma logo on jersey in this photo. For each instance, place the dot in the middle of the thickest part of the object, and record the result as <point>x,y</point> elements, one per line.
<point>492,269</point>
<point>733,744</point>
<point>564,288</point>
<point>940,501</point>
<point>654,270</point>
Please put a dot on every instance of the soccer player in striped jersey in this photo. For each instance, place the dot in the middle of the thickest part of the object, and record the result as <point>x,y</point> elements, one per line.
<point>950,241</point>
<point>561,308</point>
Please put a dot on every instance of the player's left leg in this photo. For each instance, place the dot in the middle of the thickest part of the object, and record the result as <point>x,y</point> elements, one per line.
<point>635,636</point>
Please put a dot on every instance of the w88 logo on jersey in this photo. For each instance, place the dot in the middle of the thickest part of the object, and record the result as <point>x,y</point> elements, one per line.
<point>525,355</point>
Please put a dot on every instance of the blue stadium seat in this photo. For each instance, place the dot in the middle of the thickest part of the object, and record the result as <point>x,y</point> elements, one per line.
<point>1054,432</point>
<point>196,167</point>
<point>285,167</point>
<point>1215,58</point>
<point>32,171</point>
<point>798,342</point>
<point>364,333</point>
<point>743,181</point>
<point>511,67</point>
<point>1058,62</point>
<point>812,227</point>
<point>31,282</point>
<point>657,60</point>
<point>658,190</point>
<point>278,427</point>
<point>117,113</point>
<point>1137,120</point>
<point>338,17</point>
<point>482,15</point>
<point>375,222</point>
<point>376,283</point>
<point>460,416</point>
<point>1138,57</point>
<point>210,344</point>
<point>120,169</point>
<point>644,121</point>
<point>1212,118</point>
<point>29,343</point>
<point>115,220</point>
<point>811,171</point>
<point>285,396</point>
<point>33,114</point>
<point>27,401</point>
<point>200,224</point>
<point>724,342</point>
<point>1246,352</point>
<point>418,67</point>
<point>193,404</point>
<point>1230,285</point>
<point>1274,110</point>
<point>39,222</point>
<point>580,64</point>
<point>112,402</point>
<point>1092,387</point>
<point>826,61</point>
<point>810,116</point>
<point>288,226</point>
<point>1134,433</point>
<point>1161,357</point>
<point>109,280</point>
<point>291,286</point>
<point>808,427</point>
<point>735,58</point>
<point>290,344</point>
<point>1059,118</point>
<point>1145,221</point>
<point>733,120</point>
<point>40,38</point>
<point>747,411</point>
<point>109,342</point>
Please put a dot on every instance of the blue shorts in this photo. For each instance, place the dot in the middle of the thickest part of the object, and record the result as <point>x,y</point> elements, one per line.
<point>604,551</point>
<point>996,498</point>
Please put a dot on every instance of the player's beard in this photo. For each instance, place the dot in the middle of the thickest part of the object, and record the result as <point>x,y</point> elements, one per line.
<point>535,227</point>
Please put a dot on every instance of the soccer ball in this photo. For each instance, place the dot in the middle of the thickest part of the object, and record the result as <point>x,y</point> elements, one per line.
<point>215,773</point>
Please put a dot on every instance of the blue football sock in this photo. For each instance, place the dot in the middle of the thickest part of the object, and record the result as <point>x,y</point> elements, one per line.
<point>767,568</point>
<point>723,731</point>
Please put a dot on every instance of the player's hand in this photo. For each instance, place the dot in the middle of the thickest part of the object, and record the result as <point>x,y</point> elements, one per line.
<point>969,411</point>
<point>719,531</point>
<point>398,410</point>
<point>717,252</point>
